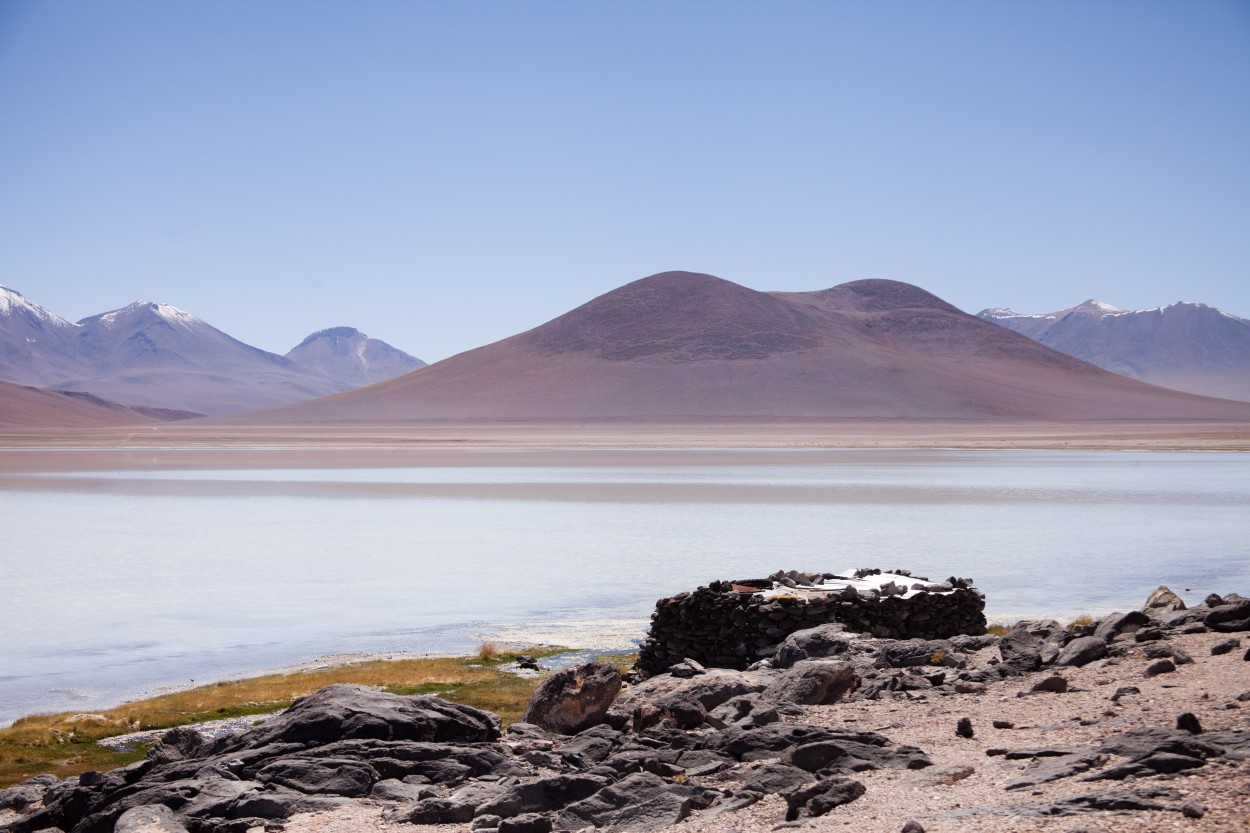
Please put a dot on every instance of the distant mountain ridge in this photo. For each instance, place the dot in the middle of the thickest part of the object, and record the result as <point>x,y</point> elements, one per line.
<point>158,356</point>
<point>1184,346</point>
<point>687,346</point>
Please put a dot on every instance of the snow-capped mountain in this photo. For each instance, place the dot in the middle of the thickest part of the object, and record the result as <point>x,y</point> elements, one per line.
<point>34,344</point>
<point>156,355</point>
<point>352,358</point>
<point>1186,346</point>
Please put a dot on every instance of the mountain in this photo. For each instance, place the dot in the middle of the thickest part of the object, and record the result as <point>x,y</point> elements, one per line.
<point>35,345</point>
<point>1189,347</point>
<point>351,358</point>
<point>158,356</point>
<point>22,407</point>
<point>688,346</point>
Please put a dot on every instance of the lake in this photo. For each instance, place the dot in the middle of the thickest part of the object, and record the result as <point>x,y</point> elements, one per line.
<point>120,581</point>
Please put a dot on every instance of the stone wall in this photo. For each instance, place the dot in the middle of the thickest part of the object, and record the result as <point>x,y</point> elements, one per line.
<point>719,625</point>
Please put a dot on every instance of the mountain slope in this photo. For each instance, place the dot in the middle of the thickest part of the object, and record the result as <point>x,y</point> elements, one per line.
<point>22,407</point>
<point>35,344</point>
<point>1190,347</point>
<point>350,358</point>
<point>683,345</point>
<point>158,356</point>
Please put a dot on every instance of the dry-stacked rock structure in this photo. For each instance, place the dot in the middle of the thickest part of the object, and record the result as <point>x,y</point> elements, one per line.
<point>732,624</point>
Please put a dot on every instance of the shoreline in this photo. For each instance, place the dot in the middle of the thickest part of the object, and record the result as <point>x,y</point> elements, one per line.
<point>675,435</point>
<point>1052,730</point>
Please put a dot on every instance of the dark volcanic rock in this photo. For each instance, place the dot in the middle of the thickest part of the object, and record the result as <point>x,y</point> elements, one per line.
<point>745,711</point>
<point>774,778</point>
<point>1031,644</point>
<point>1229,617</point>
<point>1189,722</point>
<point>715,687</point>
<point>335,775</point>
<point>1082,651</point>
<point>1141,798</point>
<point>1162,666</point>
<point>1225,646</point>
<point>851,751</point>
<point>526,823</point>
<point>1042,770</point>
<point>766,741</point>
<point>150,818</point>
<point>821,797</point>
<point>637,803</point>
<point>812,682</point>
<point>574,699</point>
<point>1053,684</point>
<point>342,711</point>
<point>540,795</point>
<point>821,642</point>
<point>1117,623</point>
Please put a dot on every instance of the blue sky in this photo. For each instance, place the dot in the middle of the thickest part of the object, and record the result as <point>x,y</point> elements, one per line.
<point>444,174</point>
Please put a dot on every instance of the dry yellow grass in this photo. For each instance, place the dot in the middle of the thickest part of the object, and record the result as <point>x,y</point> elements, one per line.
<point>65,744</point>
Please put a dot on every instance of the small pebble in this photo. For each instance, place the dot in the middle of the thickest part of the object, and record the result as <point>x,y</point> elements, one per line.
<point>1163,666</point>
<point>912,827</point>
<point>1003,724</point>
<point>964,727</point>
<point>1193,810</point>
<point>1189,722</point>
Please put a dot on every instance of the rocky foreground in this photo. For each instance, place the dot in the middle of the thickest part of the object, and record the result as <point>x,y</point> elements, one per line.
<point>1137,722</point>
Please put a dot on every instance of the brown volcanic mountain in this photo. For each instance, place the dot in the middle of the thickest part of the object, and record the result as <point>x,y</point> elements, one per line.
<point>687,346</point>
<point>25,407</point>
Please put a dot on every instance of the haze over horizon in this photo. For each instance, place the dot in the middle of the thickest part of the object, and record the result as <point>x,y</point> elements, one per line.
<point>441,176</point>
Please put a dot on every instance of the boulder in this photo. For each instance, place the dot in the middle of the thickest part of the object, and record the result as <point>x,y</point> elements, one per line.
<point>638,802</point>
<point>812,682</point>
<point>1163,599</point>
<point>537,795</point>
<point>1117,623</point>
<point>1082,651</point>
<point>770,779</point>
<point>1043,770</point>
<point>526,823</point>
<point>821,797</point>
<point>912,653</point>
<point>1161,666</point>
<point>335,776</point>
<point>1225,646</point>
<point>574,699</point>
<point>24,795</point>
<point>711,689</point>
<point>344,711</point>
<point>851,751</point>
<point>765,741</point>
<point>821,642</point>
<point>745,711</point>
<point>1229,617</point>
<point>1031,644</point>
<point>150,818</point>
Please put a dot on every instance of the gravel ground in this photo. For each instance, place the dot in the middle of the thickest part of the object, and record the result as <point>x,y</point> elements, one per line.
<point>978,803</point>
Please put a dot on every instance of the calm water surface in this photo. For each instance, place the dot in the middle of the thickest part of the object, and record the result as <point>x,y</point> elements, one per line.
<point>116,583</point>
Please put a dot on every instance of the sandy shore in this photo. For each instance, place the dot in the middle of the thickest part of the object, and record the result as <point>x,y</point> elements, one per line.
<point>461,440</point>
